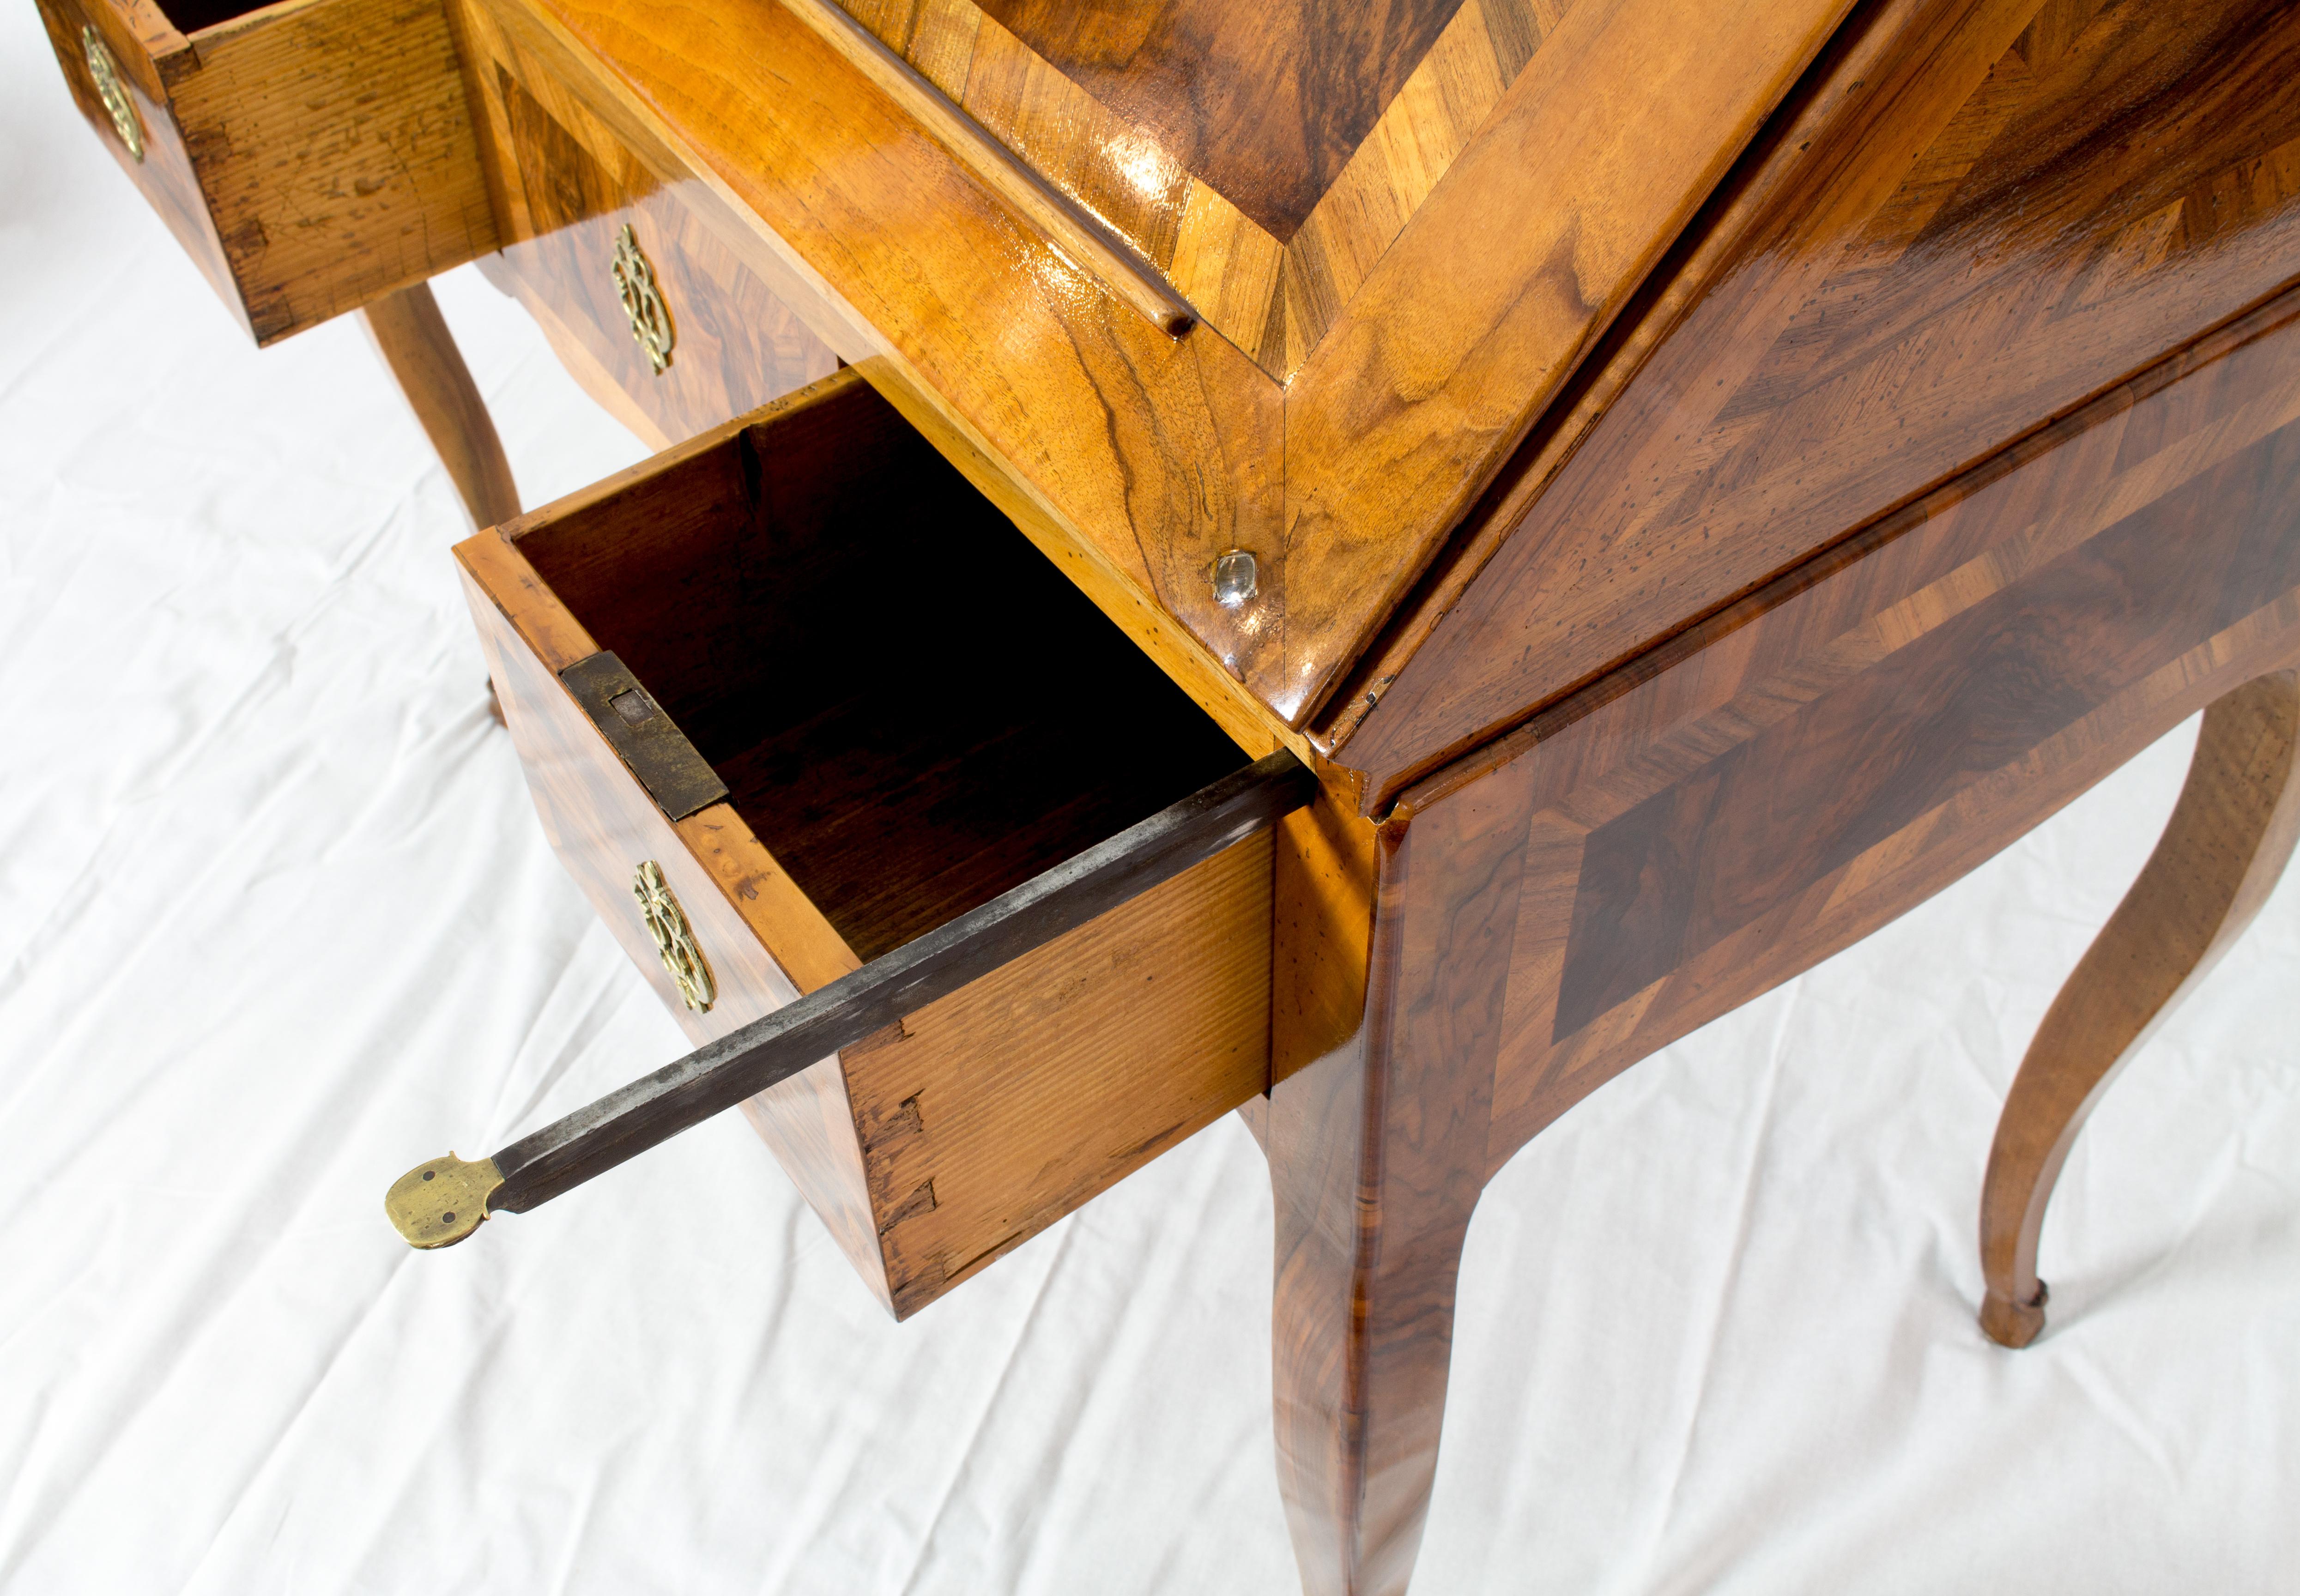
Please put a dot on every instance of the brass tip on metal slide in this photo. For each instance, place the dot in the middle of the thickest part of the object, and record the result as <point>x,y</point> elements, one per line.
<point>439,1202</point>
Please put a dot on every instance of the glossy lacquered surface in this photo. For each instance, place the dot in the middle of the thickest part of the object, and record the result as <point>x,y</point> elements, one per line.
<point>565,187</point>
<point>1979,216</point>
<point>1155,455</point>
<point>1763,791</point>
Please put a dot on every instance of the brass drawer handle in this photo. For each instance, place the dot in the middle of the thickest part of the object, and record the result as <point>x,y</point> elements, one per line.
<point>635,286</point>
<point>674,938</point>
<point>114,93</point>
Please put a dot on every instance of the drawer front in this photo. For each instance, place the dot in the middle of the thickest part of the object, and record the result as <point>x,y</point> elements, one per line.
<point>310,157</point>
<point>935,1145</point>
<point>602,826</point>
<point>592,234</point>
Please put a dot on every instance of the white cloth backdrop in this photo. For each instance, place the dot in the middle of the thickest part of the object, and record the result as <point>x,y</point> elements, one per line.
<point>276,921</point>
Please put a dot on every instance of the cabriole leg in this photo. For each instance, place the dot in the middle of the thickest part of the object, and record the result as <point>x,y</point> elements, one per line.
<point>1363,1330</point>
<point>413,337</point>
<point>2228,841</point>
<point>1378,1153</point>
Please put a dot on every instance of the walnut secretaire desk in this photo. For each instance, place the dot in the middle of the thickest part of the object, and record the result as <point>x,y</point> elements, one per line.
<point>1657,489</point>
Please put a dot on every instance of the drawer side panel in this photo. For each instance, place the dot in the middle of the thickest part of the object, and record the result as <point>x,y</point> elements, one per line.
<point>601,825</point>
<point>990,1114</point>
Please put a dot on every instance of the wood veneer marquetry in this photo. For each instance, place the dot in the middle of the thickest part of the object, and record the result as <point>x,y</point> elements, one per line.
<point>2030,627</point>
<point>567,186</point>
<point>311,156</point>
<point>1266,103</point>
<point>1161,454</point>
<point>1164,120</point>
<point>1790,775</point>
<point>1985,213</point>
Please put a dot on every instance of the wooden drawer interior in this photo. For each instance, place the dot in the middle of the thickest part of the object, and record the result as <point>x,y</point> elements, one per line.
<point>311,156</point>
<point>912,711</point>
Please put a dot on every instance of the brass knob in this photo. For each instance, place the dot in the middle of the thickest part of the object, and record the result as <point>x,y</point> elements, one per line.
<point>674,938</point>
<point>642,303</point>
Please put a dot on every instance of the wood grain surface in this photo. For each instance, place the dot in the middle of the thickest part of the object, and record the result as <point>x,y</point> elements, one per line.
<point>2231,836</point>
<point>566,186</point>
<point>141,40</point>
<point>1787,777</point>
<point>1267,103</point>
<point>311,156</point>
<point>1374,1162</point>
<point>785,588</point>
<point>1982,213</point>
<point>1156,117</point>
<point>602,825</point>
<point>413,338</point>
<point>1157,455</point>
<point>989,1114</point>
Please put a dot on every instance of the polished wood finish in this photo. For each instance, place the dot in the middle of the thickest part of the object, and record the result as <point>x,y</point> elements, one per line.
<point>1356,113</point>
<point>1373,1197</point>
<point>724,574</point>
<point>565,185</point>
<point>1977,216</point>
<point>1069,228</point>
<point>2230,835</point>
<point>311,156</point>
<point>1715,474</point>
<point>1740,803</point>
<point>413,338</point>
<point>1268,104</point>
<point>1157,454</point>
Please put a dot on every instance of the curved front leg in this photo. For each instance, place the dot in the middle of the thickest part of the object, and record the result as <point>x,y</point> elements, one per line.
<point>413,337</point>
<point>1378,1152</point>
<point>2228,841</point>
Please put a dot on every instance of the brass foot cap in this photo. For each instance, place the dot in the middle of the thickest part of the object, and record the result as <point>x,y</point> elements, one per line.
<point>438,1204</point>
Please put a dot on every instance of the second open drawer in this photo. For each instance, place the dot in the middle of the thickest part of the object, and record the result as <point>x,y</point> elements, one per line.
<point>805,675</point>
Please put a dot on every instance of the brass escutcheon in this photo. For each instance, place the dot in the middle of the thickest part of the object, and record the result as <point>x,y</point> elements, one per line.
<point>674,939</point>
<point>114,93</point>
<point>635,286</point>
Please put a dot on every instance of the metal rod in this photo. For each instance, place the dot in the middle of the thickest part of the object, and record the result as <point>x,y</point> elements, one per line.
<point>440,1202</point>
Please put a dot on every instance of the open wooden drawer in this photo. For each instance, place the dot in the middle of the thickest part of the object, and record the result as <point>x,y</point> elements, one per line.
<point>802,668</point>
<point>312,155</point>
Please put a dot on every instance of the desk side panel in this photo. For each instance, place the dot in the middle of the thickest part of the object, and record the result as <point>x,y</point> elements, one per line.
<point>1778,783</point>
<point>1985,213</point>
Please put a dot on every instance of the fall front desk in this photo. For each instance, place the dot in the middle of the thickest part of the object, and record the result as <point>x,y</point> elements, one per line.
<point>1479,535</point>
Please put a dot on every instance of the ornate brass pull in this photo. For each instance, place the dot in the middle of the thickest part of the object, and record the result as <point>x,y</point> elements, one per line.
<point>674,939</point>
<point>114,93</point>
<point>635,286</point>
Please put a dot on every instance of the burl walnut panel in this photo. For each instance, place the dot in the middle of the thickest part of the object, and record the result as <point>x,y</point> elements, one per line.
<point>1268,103</point>
<point>1977,215</point>
<point>1743,802</point>
<point>1153,455</point>
<point>566,186</point>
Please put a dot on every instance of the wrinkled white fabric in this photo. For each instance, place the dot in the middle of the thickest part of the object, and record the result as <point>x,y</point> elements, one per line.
<point>276,921</point>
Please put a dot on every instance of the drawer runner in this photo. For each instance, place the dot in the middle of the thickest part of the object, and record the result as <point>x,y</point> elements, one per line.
<point>443,1200</point>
